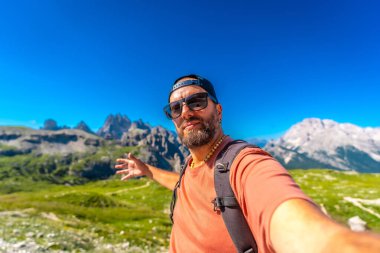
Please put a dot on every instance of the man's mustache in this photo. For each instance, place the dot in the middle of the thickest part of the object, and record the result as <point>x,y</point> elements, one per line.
<point>191,119</point>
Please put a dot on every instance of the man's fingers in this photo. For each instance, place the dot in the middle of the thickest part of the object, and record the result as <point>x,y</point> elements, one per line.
<point>126,177</point>
<point>122,160</point>
<point>130,158</point>
<point>122,164</point>
<point>122,171</point>
<point>126,166</point>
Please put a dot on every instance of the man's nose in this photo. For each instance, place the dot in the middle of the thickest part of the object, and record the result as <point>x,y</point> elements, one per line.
<point>186,111</point>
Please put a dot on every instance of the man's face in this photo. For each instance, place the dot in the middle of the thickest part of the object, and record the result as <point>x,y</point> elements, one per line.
<point>195,128</point>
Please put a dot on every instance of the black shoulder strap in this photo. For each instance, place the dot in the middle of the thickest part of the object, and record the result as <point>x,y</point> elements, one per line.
<point>226,202</point>
<point>178,184</point>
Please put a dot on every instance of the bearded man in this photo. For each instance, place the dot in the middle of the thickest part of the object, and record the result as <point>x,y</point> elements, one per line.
<point>280,216</point>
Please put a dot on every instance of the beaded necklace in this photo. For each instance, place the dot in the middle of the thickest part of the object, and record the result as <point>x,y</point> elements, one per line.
<point>210,153</point>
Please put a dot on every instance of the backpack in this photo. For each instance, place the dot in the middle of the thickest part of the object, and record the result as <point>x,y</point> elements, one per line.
<point>225,201</point>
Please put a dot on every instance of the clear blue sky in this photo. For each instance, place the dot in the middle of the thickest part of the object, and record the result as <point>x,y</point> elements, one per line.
<point>273,63</point>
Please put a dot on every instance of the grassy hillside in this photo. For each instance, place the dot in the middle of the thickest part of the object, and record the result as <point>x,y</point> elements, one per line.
<point>74,168</point>
<point>329,188</point>
<point>115,216</point>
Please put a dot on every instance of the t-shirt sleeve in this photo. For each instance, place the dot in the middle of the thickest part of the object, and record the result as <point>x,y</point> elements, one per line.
<point>261,184</point>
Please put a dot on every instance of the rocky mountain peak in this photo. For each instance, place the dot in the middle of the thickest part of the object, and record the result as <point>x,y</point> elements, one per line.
<point>326,143</point>
<point>50,124</point>
<point>140,125</point>
<point>84,127</point>
<point>114,126</point>
<point>315,134</point>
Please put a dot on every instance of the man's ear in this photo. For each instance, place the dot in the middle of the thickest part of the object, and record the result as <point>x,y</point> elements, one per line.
<point>219,109</point>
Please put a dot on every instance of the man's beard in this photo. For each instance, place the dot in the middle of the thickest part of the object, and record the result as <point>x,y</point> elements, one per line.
<point>201,136</point>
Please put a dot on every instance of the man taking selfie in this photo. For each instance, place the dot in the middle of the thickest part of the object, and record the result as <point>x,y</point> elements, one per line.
<point>257,207</point>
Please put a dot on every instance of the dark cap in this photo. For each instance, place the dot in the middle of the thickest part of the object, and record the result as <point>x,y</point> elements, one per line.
<point>198,81</point>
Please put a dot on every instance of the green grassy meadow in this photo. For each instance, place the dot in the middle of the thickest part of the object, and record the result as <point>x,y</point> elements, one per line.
<point>329,187</point>
<point>131,215</point>
<point>116,216</point>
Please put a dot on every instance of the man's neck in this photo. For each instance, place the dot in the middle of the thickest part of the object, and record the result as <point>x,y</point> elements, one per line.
<point>199,153</point>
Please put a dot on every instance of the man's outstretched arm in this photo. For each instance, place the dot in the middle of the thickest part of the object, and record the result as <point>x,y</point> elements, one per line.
<point>299,226</point>
<point>133,167</point>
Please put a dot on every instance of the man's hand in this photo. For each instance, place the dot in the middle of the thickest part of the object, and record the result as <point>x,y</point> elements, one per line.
<point>131,167</point>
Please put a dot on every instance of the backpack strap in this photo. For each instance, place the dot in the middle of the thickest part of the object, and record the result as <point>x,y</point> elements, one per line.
<point>177,185</point>
<point>226,202</point>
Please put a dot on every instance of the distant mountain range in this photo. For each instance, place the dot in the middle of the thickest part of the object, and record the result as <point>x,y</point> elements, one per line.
<point>316,143</point>
<point>157,145</point>
<point>312,143</point>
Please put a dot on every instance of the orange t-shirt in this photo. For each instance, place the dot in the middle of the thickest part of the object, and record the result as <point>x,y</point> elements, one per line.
<point>260,184</point>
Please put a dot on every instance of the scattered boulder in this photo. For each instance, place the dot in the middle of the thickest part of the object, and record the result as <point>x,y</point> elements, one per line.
<point>357,224</point>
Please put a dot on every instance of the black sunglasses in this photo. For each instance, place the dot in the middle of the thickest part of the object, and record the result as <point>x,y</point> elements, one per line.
<point>195,102</point>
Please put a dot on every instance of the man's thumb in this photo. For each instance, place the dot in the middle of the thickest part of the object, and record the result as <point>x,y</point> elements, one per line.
<point>132,157</point>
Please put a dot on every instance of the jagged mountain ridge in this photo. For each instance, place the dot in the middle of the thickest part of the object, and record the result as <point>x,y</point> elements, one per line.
<point>158,146</point>
<point>114,126</point>
<point>327,144</point>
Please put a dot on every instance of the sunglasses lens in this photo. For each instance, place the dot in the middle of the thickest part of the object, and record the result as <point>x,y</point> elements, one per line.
<point>175,109</point>
<point>197,101</point>
<point>168,112</point>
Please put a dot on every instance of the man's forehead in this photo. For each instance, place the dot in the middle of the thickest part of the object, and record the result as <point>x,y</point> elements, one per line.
<point>185,91</point>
